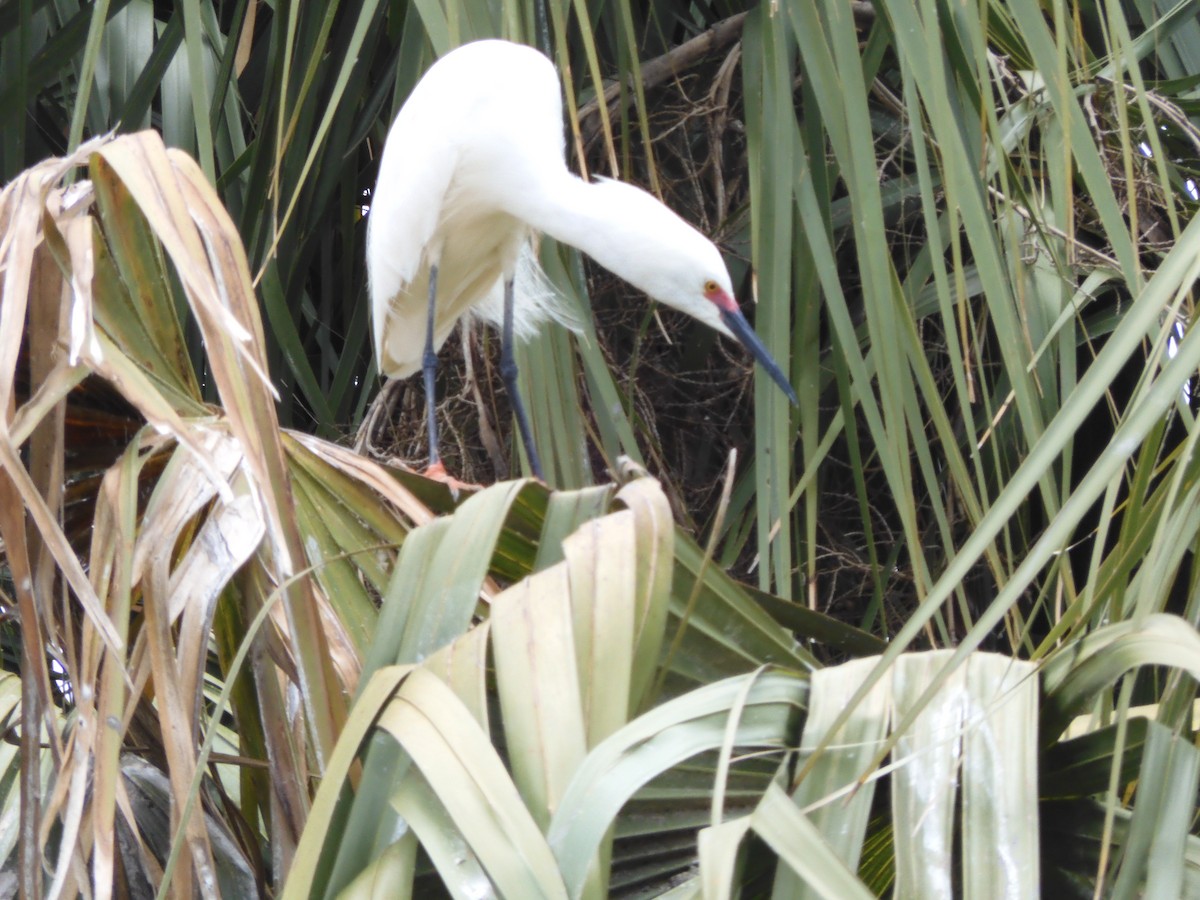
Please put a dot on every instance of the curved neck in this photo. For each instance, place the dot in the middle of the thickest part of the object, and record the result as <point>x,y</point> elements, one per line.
<point>631,234</point>
<point>567,208</point>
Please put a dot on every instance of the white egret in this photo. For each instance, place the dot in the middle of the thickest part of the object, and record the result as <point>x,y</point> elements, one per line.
<point>473,166</point>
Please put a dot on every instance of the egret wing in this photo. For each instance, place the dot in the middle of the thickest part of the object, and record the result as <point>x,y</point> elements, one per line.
<point>415,176</point>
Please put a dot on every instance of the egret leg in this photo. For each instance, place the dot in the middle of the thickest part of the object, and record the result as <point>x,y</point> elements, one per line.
<point>429,370</point>
<point>508,371</point>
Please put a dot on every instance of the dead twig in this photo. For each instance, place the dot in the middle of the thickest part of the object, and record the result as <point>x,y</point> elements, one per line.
<point>678,59</point>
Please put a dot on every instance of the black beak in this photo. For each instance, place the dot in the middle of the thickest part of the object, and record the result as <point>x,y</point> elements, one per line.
<point>736,322</point>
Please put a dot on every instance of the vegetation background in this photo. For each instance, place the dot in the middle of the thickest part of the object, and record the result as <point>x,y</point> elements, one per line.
<point>242,660</point>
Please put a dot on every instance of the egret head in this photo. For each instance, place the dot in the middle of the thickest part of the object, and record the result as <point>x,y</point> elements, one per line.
<point>677,265</point>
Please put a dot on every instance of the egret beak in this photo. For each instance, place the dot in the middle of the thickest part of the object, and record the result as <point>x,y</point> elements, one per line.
<point>736,322</point>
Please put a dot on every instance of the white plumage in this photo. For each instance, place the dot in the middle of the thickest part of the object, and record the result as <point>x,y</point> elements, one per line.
<point>438,198</point>
<point>475,164</point>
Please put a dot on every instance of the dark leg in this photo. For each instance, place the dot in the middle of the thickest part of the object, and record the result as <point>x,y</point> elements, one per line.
<point>508,371</point>
<point>429,369</point>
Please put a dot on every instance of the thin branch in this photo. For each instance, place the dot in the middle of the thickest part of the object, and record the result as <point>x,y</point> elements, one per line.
<point>678,59</point>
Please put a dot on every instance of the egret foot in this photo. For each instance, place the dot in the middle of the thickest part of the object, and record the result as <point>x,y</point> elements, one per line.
<point>437,472</point>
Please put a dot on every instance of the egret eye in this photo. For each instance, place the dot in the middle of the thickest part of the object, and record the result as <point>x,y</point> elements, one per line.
<point>711,287</point>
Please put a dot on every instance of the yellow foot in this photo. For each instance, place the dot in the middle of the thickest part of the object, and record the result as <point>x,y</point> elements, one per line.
<point>437,472</point>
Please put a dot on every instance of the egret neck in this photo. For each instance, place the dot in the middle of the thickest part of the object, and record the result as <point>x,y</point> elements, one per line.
<point>636,237</point>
